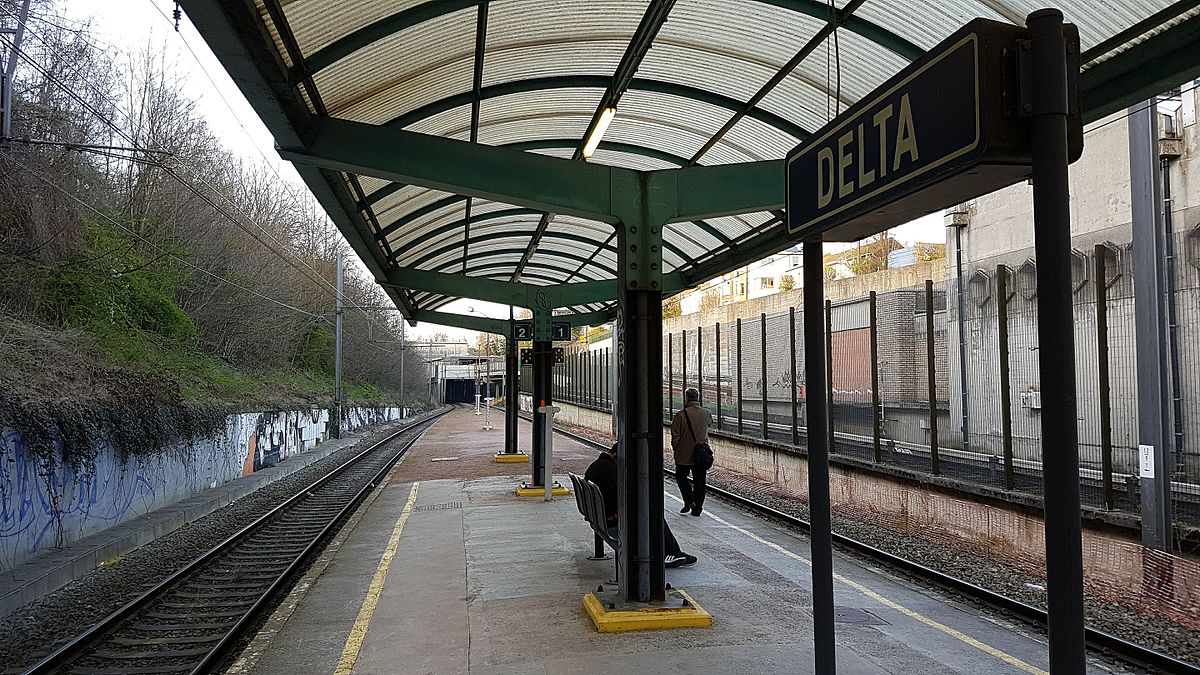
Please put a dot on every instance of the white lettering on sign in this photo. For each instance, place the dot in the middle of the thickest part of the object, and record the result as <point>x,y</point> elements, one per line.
<point>1146,461</point>
<point>837,169</point>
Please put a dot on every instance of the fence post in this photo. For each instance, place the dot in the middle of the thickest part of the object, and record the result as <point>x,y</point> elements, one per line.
<point>931,364</point>
<point>683,358</point>
<point>763,321</point>
<point>829,370</point>
<point>1102,372</point>
<point>738,351</point>
<point>670,376</point>
<point>717,339</point>
<point>1005,392</point>
<point>795,385</point>
<point>876,405</point>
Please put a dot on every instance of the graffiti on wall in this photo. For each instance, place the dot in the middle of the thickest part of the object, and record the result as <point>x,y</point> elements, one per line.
<point>46,505</point>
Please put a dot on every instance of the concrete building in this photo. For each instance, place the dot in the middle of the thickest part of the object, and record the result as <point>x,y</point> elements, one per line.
<point>996,233</point>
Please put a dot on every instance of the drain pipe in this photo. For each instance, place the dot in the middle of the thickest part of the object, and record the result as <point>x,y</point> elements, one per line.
<point>1172,319</point>
<point>962,339</point>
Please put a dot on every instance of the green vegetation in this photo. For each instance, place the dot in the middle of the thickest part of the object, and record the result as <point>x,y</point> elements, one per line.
<point>171,273</point>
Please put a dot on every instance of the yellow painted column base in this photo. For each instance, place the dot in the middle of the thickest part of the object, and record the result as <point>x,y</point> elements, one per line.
<point>527,490</point>
<point>680,611</point>
<point>511,457</point>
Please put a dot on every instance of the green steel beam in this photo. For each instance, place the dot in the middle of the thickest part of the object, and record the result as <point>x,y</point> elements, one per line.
<point>464,321</point>
<point>470,169</point>
<point>597,82</point>
<point>613,146</point>
<point>408,18</point>
<point>723,189</point>
<point>502,292</point>
<point>1146,69</point>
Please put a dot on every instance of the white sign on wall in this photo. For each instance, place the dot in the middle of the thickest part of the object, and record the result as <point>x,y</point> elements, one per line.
<point>1146,461</point>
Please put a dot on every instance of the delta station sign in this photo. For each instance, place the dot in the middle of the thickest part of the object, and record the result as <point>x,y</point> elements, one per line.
<point>949,127</point>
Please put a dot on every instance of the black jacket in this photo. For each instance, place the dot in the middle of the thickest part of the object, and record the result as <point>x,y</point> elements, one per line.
<point>603,472</point>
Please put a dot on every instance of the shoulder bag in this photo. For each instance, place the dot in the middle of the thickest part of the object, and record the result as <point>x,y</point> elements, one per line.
<point>702,454</point>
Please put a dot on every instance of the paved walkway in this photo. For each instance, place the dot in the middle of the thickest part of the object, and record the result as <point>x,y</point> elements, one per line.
<point>456,575</point>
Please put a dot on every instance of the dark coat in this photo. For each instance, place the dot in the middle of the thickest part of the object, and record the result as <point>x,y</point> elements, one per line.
<point>603,472</point>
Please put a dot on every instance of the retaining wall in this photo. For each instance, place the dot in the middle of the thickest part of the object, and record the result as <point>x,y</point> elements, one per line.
<point>47,505</point>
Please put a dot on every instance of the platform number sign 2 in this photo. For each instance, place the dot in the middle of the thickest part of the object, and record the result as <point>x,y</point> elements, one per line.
<point>523,331</point>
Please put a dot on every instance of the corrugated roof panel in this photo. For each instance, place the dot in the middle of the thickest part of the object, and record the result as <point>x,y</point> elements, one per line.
<point>593,229</point>
<point>533,58</point>
<point>533,127</point>
<point>690,238</point>
<point>938,19</point>
<point>579,103</point>
<point>406,200</point>
<point>547,257</point>
<point>317,23</point>
<point>630,161</point>
<point>766,141</point>
<point>743,29</point>
<point>675,137</point>
<point>370,183</point>
<point>726,74</point>
<point>537,38</point>
<point>446,123</point>
<point>403,71</point>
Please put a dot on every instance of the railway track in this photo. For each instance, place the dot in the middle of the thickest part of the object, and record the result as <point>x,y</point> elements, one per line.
<point>1102,641</point>
<point>191,621</point>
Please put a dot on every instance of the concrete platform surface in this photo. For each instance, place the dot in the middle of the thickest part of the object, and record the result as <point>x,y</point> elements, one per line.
<point>459,576</point>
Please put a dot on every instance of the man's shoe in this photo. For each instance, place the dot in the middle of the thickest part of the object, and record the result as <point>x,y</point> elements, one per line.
<point>696,511</point>
<point>681,560</point>
<point>686,508</point>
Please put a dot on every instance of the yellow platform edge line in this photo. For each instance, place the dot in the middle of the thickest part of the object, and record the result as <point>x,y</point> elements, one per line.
<point>358,632</point>
<point>510,457</point>
<point>558,491</point>
<point>622,621</point>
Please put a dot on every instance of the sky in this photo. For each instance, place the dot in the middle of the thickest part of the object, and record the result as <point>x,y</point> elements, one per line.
<point>131,25</point>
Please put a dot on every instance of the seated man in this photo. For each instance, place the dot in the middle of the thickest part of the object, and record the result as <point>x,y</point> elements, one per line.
<point>603,472</point>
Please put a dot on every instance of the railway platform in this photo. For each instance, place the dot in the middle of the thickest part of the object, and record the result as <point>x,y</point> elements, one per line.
<point>446,571</point>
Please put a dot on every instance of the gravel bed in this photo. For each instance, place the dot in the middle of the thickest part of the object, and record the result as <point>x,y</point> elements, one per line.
<point>1126,623</point>
<point>35,630</point>
<point>988,572</point>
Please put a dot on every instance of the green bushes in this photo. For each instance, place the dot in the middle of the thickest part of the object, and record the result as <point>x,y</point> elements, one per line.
<point>110,282</point>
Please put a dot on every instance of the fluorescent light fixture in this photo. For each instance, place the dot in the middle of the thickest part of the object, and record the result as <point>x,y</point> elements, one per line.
<point>593,141</point>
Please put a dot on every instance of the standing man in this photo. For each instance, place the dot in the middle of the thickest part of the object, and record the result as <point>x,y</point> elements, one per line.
<point>689,429</point>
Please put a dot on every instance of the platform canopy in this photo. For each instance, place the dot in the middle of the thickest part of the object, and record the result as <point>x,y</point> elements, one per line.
<point>446,138</point>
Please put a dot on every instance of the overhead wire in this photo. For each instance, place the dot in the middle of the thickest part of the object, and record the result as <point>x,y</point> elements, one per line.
<point>319,280</point>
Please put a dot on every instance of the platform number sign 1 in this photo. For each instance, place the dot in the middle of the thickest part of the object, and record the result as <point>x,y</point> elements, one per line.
<point>523,331</point>
<point>527,357</point>
<point>560,356</point>
<point>560,331</point>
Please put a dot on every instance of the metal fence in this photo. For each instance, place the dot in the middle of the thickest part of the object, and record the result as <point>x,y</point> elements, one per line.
<point>919,384</point>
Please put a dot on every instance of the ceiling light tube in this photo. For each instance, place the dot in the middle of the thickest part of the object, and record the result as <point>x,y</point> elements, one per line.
<point>593,140</point>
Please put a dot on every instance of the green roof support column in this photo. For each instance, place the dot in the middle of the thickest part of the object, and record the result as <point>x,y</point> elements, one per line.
<point>644,204</point>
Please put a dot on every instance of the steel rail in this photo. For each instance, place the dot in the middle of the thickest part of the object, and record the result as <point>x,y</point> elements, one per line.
<point>1130,652</point>
<point>79,645</point>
